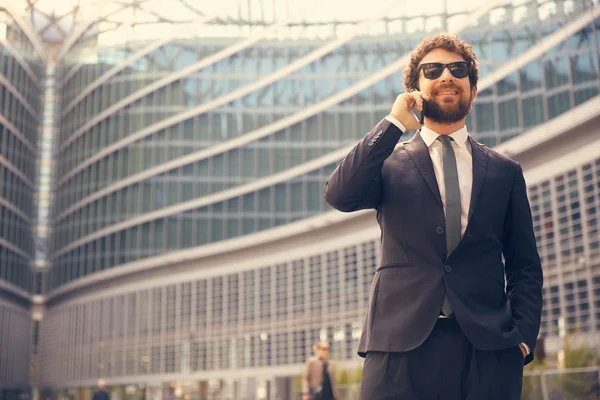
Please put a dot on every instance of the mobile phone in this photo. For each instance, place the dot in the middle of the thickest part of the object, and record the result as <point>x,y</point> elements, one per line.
<point>422,118</point>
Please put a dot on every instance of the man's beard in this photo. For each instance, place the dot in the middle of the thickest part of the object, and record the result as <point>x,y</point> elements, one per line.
<point>449,112</point>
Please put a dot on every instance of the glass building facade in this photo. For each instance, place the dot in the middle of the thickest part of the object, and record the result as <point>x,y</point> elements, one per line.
<point>135,157</point>
<point>190,247</point>
<point>566,219</point>
<point>21,74</point>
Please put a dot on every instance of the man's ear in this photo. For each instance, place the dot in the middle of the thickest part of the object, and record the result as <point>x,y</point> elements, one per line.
<point>473,93</point>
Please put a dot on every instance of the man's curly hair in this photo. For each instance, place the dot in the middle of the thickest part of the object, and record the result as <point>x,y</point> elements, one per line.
<point>444,41</point>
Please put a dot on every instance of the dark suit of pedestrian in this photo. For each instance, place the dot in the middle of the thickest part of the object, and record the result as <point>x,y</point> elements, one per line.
<point>416,273</point>
<point>101,394</point>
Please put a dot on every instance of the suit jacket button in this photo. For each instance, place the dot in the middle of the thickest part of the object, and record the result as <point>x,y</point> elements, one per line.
<point>447,268</point>
<point>439,230</point>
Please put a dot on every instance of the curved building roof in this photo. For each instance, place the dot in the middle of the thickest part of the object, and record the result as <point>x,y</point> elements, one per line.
<point>115,22</point>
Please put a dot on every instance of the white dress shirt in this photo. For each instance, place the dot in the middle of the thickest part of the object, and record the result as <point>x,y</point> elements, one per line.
<point>464,166</point>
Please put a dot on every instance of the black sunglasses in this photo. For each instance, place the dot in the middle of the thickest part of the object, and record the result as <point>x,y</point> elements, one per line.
<point>459,69</point>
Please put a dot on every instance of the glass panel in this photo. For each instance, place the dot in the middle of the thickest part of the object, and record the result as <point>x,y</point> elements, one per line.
<point>558,104</point>
<point>173,234</point>
<point>531,76</point>
<point>201,227</point>
<point>314,194</point>
<point>485,117</point>
<point>216,226</point>
<point>526,38</point>
<point>584,67</point>
<point>233,160</point>
<point>186,230</point>
<point>248,160</point>
<point>264,159</point>
<point>145,230</point>
<point>507,85</point>
<point>297,198</point>
<point>557,72</point>
<point>232,216</point>
<point>508,114</point>
<point>329,132</point>
<point>264,200</point>
<point>347,126</point>
<point>158,236</point>
<point>533,111</point>
<point>585,94</point>
<point>147,197</point>
<point>502,46</point>
<point>280,198</point>
<point>365,122</point>
<point>582,39</point>
<point>133,247</point>
<point>187,192</point>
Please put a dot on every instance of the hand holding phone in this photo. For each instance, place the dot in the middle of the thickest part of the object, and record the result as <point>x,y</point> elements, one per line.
<point>422,118</point>
<point>405,109</point>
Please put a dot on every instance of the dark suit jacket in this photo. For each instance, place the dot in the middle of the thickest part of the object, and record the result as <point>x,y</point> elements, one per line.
<point>415,272</point>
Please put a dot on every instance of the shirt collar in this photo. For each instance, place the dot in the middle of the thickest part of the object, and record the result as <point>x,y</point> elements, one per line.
<point>460,136</point>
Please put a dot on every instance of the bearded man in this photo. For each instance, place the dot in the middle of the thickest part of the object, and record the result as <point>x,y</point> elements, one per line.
<point>456,301</point>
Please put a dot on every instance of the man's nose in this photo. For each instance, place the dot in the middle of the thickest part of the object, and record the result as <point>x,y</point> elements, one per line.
<point>446,75</point>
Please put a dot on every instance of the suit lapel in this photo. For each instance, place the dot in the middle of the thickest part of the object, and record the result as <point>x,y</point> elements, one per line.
<point>480,165</point>
<point>418,151</point>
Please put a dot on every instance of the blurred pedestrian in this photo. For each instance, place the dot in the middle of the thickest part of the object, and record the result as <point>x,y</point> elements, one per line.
<point>318,380</point>
<point>101,393</point>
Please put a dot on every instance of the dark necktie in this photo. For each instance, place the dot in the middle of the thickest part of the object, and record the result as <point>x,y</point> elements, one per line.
<point>453,212</point>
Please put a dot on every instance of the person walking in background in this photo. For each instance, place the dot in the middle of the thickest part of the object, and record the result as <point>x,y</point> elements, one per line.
<point>101,393</point>
<point>455,305</point>
<point>318,379</point>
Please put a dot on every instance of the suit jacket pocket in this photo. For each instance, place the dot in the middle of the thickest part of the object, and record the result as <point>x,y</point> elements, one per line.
<point>407,289</point>
<point>393,264</point>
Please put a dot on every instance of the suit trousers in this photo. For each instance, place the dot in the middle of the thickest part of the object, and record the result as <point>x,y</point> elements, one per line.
<point>445,367</point>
